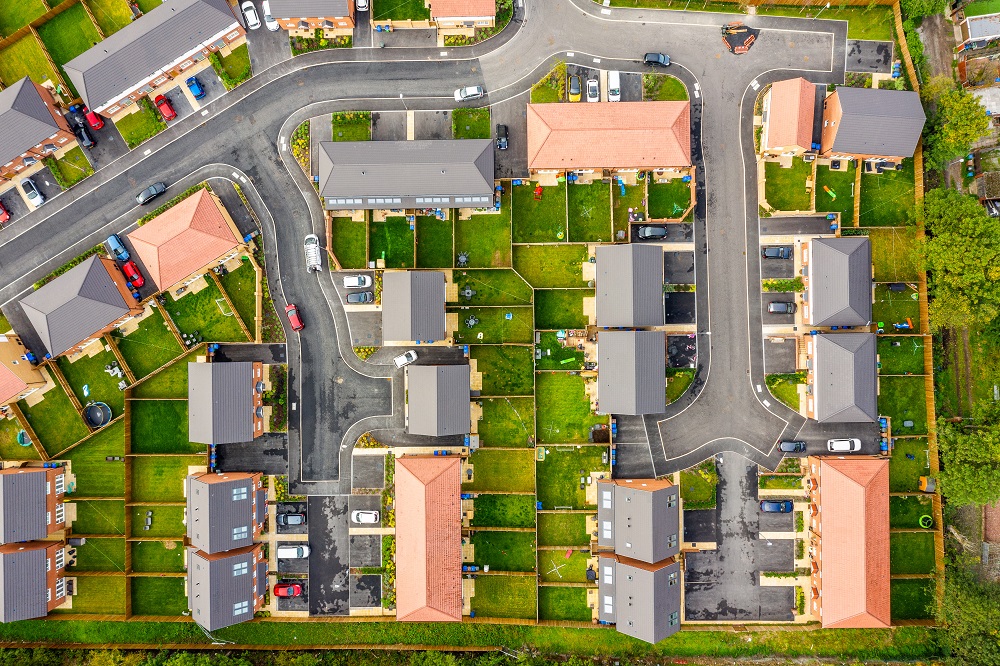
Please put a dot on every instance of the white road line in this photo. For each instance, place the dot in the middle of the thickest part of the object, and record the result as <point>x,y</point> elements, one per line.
<point>759,389</point>
<point>444,53</point>
<point>205,112</point>
<point>570,54</point>
<point>606,12</point>
<point>597,60</point>
<point>147,151</point>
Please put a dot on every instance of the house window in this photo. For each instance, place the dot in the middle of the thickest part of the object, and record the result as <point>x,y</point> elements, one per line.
<point>60,588</point>
<point>241,607</point>
<point>606,529</point>
<point>48,595</point>
<point>672,578</point>
<point>48,564</point>
<point>609,604</point>
<point>675,617</point>
<point>240,533</point>
<point>671,501</point>
<point>239,493</point>
<point>48,517</point>
<point>61,558</point>
<point>609,576</point>
<point>606,499</point>
<point>60,513</point>
<point>672,541</point>
<point>240,569</point>
<point>60,484</point>
<point>233,35</point>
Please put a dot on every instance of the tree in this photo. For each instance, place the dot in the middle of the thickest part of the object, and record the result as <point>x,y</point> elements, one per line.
<point>970,470</point>
<point>969,616</point>
<point>959,121</point>
<point>917,8</point>
<point>936,86</point>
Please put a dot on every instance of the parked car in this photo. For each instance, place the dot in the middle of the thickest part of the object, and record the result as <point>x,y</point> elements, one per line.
<point>776,506</point>
<point>314,258</point>
<point>365,517</point>
<point>194,85</point>
<point>843,445</point>
<point>31,191</point>
<point>781,307</point>
<point>83,136</point>
<point>294,319</point>
<point>293,552</point>
<point>4,215</point>
<point>165,107</point>
<point>250,14</point>
<point>286,519</point>
<point>287,590</point>
<point>656,59</point>
<point>132,274</point>
<point>776,252</point>
<point>405,358</point>
<point>593,90</point>
<point>117,247</point>
<point>150,193</point>
<point>360,297</point>
<point>469,93</point>
<point>361,5</point>
<point>792,446</point>
<point>269,21</point>
<point>357,281</point>
<point>614,86</point>
<point>501,137</point>
<point>96,122</point>
<point>652,232</point>
<point>575,88</point>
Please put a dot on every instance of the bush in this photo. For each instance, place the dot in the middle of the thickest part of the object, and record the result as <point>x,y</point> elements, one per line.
<point>300,144</point>
<point>364,353</point>
<point>779,284</point>
<point>281,491</point>
<point>277,398</point>
<point>505,11</point>
<point>302,45</point>
<point>229,81</point>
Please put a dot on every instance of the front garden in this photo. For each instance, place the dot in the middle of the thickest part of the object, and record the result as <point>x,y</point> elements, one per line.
<point>698,486</point>
<point>471,123</point>
<point>141,125</point>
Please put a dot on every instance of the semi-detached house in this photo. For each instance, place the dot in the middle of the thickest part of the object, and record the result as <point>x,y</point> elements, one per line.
<point>302,18</point>
<point>32,128</point>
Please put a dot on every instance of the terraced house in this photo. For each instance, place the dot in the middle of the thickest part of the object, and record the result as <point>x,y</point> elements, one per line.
<point>302,18</point>
<point>462,17</point>
<point>32,128</point>
<point>871,125</point>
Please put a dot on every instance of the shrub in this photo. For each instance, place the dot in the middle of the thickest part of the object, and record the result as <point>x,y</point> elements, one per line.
<point>300,144</point>
<point>364,353</point>
<point>277,398</point>
<point>779,284</point>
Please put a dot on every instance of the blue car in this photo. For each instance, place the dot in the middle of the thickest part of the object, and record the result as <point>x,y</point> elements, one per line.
<point>194,85</point>
<point>776,506</point>
<point>117,247</point>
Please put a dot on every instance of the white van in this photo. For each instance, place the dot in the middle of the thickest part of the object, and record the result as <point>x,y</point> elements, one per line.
<point>843,445</point>
<point>314,258</point>
<point>293,552</point>
<point>614,86</point>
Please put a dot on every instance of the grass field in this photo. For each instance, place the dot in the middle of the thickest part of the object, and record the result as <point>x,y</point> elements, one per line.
<point>492,287</point>
<point>589,213</point>
<point>161,479</point>
<point>73,166</point>
<point>560,308</point>
<point>670,199</point>
<point>911,552</point>
<point>865,22</point>
<point>111,15</point>
<point>88,371</point>
<point>900,356</point>
<point>435,241</point>
<point>678,381</point>
<point>350,242</point>
<point>698,486</point>
<point>505,596</point>
<point>663,88</point>
<point>150,346</point>
<point>504,511</point>
<point>559,475</point>
<point>146,6</point>
<point>100,554</point>
<point>158,596</point>
<point>887,198</point>
<point>68,34</point>
<point>785,189</point>
<point>784,387</point>
<point>494,327</point>
<point>905,512</point>
<point>10,449</point>
<point>95,475</point>
<point>486,238</point>
<point>161,426</point>
<point>564,413</point>
<point>551,266</point>
<point>507,422</point>
<point>208,314</point>
<point>912,599</point>
<point>471,123</point>
<point>240,286</point>
<point>539,220</point>
<point>142,125</point>
<point>507,370</point>
<point>55,421</point>
<point>156,556</point>
<point>171,382</point>
<point>237,64</point>
<point>15,14</point>
<point>634,196</point>
<point>563,603</point>
<point>555,567</point>
<point>895,307</point>
<point>902,399</point>
<point>25,58</point>
<point>904,473</point>
<point>503,471</point>
<point>168,521</point>
<point>556,356</point>
<point>505,551</point>
<point>842,184</point>
<point>351,126</point>
<point>391,240</point>
<point>399,10</point>
<point>104,595</point>
<point>895,254</point>
<point>562,529</point>
<point>99,517</point>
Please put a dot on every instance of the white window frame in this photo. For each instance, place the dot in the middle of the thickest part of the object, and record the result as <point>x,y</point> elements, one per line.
<point>240,493</point>
<point>241,607</point>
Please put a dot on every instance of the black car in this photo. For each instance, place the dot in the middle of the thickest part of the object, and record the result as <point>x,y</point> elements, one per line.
<point>781,307</point>
<point>360,297</point>
<point>652,232</point>
<point>776,252</point>
<point>776,506</point>
<point>501,137</point>
<point>150,193</point>
<point>656,59</point>
<point>792,446</point>
<point>83,136</point>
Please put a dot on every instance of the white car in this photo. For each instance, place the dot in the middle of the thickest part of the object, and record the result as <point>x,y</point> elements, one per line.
<point>361,5</point>
<point>365,517</point>
<point>593,90</point>
<point>405,359</point>
<point>843,445</point>
<point>293,552</point>
<point>357,281</point>
<point>269,21</point>
<point>250,14</point>
<point>468,93</point>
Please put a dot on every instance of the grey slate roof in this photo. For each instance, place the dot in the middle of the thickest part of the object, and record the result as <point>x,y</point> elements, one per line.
<point>631,372</point>
<point>23,585</point>
<point>25,121</point>
<point>413,306</point>
<point>641,600</point>
<point>139,51</point>
<point>629,285</point>
<point>840,281</point>
<point>74,306</point>
<point>373,174</point>
<point>438,400</point>
<point>220,402</point>
<point>22,507</point>
<point>639,519</point>
<point>213,514</point>
<point>844,378</point>
<point>878,122</point>
<point>213,590</point>
<point>286,9</point>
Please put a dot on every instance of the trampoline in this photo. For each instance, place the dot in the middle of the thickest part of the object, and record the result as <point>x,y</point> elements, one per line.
<point>23,439</point>
<point>98,414</point>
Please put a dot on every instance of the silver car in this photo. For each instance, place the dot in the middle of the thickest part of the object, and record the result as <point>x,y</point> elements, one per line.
<point>31,191</point>
<point>469,93</point>
<point>843,445</point>
<point>250,14</point>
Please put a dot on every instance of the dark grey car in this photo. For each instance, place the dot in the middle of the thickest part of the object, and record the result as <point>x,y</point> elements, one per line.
<point>647,233</point>
<point>360,297</point>
<point>781,307</point>
<point>150,193</point>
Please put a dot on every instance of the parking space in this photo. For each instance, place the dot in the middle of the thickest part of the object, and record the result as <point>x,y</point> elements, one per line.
<point>368,504</point>
<point>234,205</point>
<point>780,355</point>
<point>426,355</point>
<point>293,508</point>
<point>270,354</point>
<point>634,460</point>
<point>366,591</point>
<point>13,203</point>
<point>678,267</point>
<point>389,125</point>
<point>682,351</point>
<point>815,435</point>
<point>513,162</point>
<point>366,550</point>
<point>776,522</point>
<point>266,48</point>
<point>182,106</point>
<point>109,142</point>
<point>268,454</point>
<point>869,56</point>
<point>290,565</point>
<point>777,268</point>
<point>631,87</point>
<point>362,28</point>
<point>368,472</point>
<point>807,225</point>
<point>429,125</point>
<point>679,308</point>
<point>779,299</point>
<point>675,233</point>
<point>330,558</point>
<point>45,183</point>
<point>700,526</point>
<point>209,82</point>
<point>585,74</point>
<point>299,603</point>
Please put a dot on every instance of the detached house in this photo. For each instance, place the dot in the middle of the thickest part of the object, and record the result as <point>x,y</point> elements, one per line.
<point>32,579</point>
<point>629,286</point>
<point>302,18</point>
<point>32,128</point>
<point>842,378</point>
<point>31,503</point>
<point>631,372</point>
<point>413,306</point>
<point>789,111</point>
<point>868,124</point>
<point>225,402</point>
<point>437,402</point>
<point>462,17</point>
<point>838,281</point>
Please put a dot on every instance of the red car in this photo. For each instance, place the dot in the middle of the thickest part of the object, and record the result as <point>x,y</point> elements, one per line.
<point>165,107</point>
<point>96,122</point>
<point>132,274</point>
<point>294,318</point>
<point>4,215</point>
<point>287,590</point>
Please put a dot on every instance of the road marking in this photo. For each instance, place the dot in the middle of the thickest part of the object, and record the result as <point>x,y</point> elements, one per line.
<point>243,179</point>
<point>570,54</point>
<point>236,175</point>
<point>755,85</point>
<point>293,406</point>
<point>697,95</point>
<point>759,389</point>
<point>205,112</point>
<point>606,12</point>
<point>767,403</point>
<point>444,53</point>
<point>697,86</point>
<point>147,151</point>
<point>597,60</point>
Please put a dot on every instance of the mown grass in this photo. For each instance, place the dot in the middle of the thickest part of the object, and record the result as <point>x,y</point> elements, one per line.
<point>562,529</point>
<point>634,198</point>
<point>663,88</point>
<point>100,554</point>
<point>563,603</point>
<point>240,286</point>
<point>55,421</point>
<point>698,486</point>
<point>350,242</point>
<point>785,188</point>
<point>507,422</point>
<point>9,448</point>
<point>557,356</point>
<point>905,512</point>
<point>551,266</point>
<point>678,382</point>
<point>564,413</point>
<point>157,556</point>
<point>168,521</point>
<point>171,382</point>
<point>506,370</point>
<point>88,371</point>
<point>150,346</point>
<point>95,475</point>
<point>67,35</point>
<point>505,551</point>
<point>435,239</point>
<point>589,208</point>
<point>96,595</point>
<point>896,307</point>
<point>399,10</point>
<point>15,14</point>
<point>158,596</point>
<point>471,123</point>
<point>493,326</point>
<point>555,567</point>
<point>25,58</point>
<point>161,479</point>
<point>111,15</point>
<point>505,596</point>
<point>100,517</point>
<point>207,313</point>
<point>669,200</point>
<point>351,126</point>
<point>559,475</point>
<point>895,254</point>
<point>161,426</point>
<point>911,552</point>
<point>561,308</point>
<point>902,399</point>
<point>840,183</point>
<point>486,238</point>
<point>73,166</point>
<point>392,241</point>
<point>904,472</point>
<point>887,199</point>
<point>539,220</point>
<point>141,125</point>
<point>912,599</point>
<point>492,287</point>
<point>900,355</point>
<point>504,511</point>
<point>502,471</point>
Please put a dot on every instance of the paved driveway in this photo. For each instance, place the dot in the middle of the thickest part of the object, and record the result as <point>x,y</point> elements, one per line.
<point>330,558</point>
<point>266,48</point>
<point>299,603</point>
<point>291,507</point>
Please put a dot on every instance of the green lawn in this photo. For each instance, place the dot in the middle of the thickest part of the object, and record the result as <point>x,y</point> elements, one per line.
<point>494,327</point>
<point>161,479</point>
<point>982,7</point>
<point>902,399</point>
<point>435,242</point>
<point>507,422</point>
<point>669,200</point>
<point>905,512</point>
<point>555,567</point>
<point>563,408</point>
<point>157,556</point>
<point>168,521</point>
<point>471,123</point>
<point>779,482</point>
<point>207,313</point>
<point>88,371</point>
<point>901,355</point>
<point>663,88</point>
<point>912,599</point>
<point>887,198</point>
<point>784,387</point>
<point>171,382</point>
<point>559,475</point>
<point>486,237</point>
<point>100,554</point>
<point>237,63</point>
<point>895,254</point>
<point>556,356</point>
<point>563,603</point>
<point>158,596</point>
<point>493,287</point>
<point>904,473</point>
<point>240,286</point>
<point>560,308</point>
<point>785,189</point>
<point>146,6</point>
<point>869,22</point>
<point>895,307</point>
<point>634,196</point>
<point>68,34</point>
<point>399,10</point>
<point>842,184</point>
<point>562,529</point>
<point>350,242</point>
<point>352,126</point>
<point>507,370</point>
<point>111,15</point>
<point>590,213</point>
<point>150,346</point>
<point>9,448</point>
<point>504,511</point>
<point>698,486</point>
<point>539,220</point>
<point>505,551</point>
<point>15,14</point>
<point>73,166</point>
<point>911,552</point>
<point>678,381</point>
<point>161,426</point>
<point>25,58</point>
<point>505,596</point>
<point>551,266</point>
<point>99,517</point>
<point>55,421</point>
<point>142,125</point>
<point>96,476</point>
<point>97,595</point>
<point>502,471</point>
<point>391,240</point>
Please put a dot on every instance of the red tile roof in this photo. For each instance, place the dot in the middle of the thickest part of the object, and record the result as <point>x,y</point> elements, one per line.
<point>609,135</point>
<point>791,113</point>
<point>428,539</point>
<point>462,8</point>
<point>10,384</point>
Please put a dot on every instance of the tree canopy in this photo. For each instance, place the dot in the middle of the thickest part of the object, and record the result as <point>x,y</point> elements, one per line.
<point>958,122</point>
<point>970,470</point>
<point>969,616</point>
<point>917,8</point>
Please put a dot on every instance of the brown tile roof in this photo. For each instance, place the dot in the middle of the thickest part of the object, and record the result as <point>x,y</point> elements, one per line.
<point>183,239</point>
<point>10,384</point>
<point>854,540</point>
<point>790,118</point>
<point>609,135</point>
<point>428,539</point>
<point>462,8</point>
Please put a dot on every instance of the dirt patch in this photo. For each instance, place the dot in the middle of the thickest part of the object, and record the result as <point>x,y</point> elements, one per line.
<point>170,545</point>
<point>938,36</point>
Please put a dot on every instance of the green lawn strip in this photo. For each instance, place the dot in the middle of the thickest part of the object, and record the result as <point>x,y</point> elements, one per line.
<point>111,15</point>
<point>504,511</point>
<point>171,382</point>
<point>505,596</point>
<point>785,189</point>
<point>99,517</point>
<point>901,355</point>
<point>505,551</point>
<point>240,286</point>
<point>887,198</point>
<point>842,184</point>
<point>590,213</point>
<point>905,512</point>
<point>15,14</point>
<point>678,381</point>
<point>391,240</point>
<point>89,371</point>
<point>539,220</point>
<point>146,6</point>
<point>471,123</point>
<point>349,242</point>
<point>502,471</point>
<point>872,22</point>
<point>434,242</point>
<point>984,364</point>
<point>10,449</point>
<point>560,308</point>
<point>399,10</point>
<point>556,356</point>
<point>895,254</point>
<point>68,34</point>
<point>206,312</point>
<point>559,475</point>
<point>492,287</point>
<point>161,426</point>
<point>507,370</point>
<point>352,126</point>
<point>902,399</point>
<point>485,238</point>
<point>562,529</point>
<point>981,8</point>
<point>4,324</point>
<point>779,482</point>
<point>912,599</point>
<point>25,58</point>
<point>507,422</point>
<point>73,166</point>
<point>904,473</point>
<point>161,478</point>
<point>895,307</point>
<point>168,521</point>
<point>96,595</point>
<point>911,552</point>
<point>100,554</point>
<point>663,88</point>
<point>494,326</point>
<point>95,476</point>
<point>150,346</point>
<point>698,486</point>
<point>670,199</point>
<point>141,125</point>
<point>236,65</point>
<point>55,421</point>
<point>784,387</point>
<point>158,596</point>
<point>563,407</point>
<point>634,197</point>
<point>551,266</point>
<point>157,556</point>
<point>563,603</point>
<point>555,567</point>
